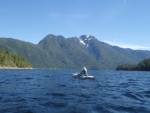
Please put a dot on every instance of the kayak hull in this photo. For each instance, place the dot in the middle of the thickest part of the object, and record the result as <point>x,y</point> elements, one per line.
<point>78,75</point>
<point>88,77</point>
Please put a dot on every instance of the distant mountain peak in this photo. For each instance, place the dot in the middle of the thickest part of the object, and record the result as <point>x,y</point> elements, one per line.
<point>87,36</point>
<point>85,39</point>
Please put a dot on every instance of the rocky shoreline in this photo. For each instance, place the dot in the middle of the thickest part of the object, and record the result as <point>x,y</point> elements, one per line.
<point>6,67</point>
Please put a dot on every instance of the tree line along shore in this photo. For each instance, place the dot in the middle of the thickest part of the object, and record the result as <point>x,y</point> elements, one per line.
<point>141,66</point>
<point>12,61</point>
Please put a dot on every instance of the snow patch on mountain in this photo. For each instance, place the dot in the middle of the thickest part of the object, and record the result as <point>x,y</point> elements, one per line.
<point>82,42</point>
<point>85,39</point>
<point>87,36</point>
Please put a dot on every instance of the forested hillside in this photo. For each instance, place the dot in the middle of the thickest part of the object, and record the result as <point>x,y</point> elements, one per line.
<point>141,66</point>
<point>8,59</point>
<point>37,57</point>
<point>58,52</point>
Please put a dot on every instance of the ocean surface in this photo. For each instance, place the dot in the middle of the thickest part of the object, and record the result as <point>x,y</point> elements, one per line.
<point>56,91</point>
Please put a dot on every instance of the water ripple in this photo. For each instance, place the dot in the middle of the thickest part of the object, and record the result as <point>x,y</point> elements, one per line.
<point>56,91</point>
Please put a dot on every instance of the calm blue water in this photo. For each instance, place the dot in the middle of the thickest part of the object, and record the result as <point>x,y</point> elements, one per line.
<point>51,91</point>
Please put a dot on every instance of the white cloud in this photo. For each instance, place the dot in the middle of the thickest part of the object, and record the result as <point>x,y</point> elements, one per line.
<point>124,45</point>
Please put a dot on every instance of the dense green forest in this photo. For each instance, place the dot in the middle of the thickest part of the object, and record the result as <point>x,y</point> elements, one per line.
<point>141,66</point>
<point>8,59</point>
<point>58,52</point>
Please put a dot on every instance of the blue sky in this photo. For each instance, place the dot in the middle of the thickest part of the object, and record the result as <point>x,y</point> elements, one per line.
<point>125,23</point>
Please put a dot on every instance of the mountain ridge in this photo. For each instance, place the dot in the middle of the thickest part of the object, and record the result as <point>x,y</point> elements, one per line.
<point>58,52</point>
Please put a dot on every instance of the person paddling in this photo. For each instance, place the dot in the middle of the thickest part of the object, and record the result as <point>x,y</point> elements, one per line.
<point>84,72</point>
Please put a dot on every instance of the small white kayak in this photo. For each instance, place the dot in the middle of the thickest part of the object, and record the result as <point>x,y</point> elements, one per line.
<point>88,77</point>
<point>78,75</point>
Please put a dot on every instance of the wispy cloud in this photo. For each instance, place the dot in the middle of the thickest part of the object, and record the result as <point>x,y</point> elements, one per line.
<point>124,45</point>
<point>113,13</point>
<point>72,16</point>
<point>125,1</point>
<point>54,15</point>
<point>79,16</point>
